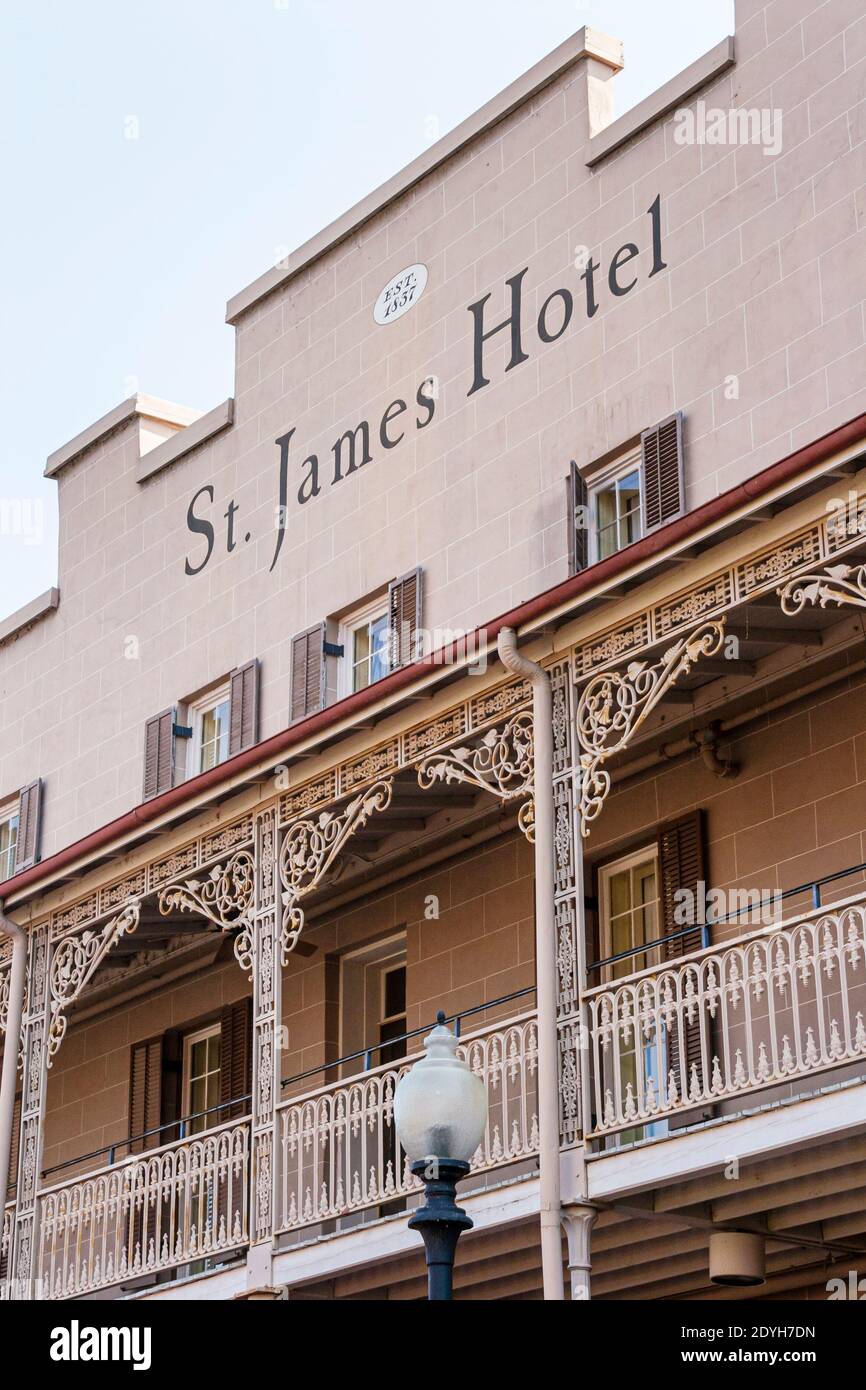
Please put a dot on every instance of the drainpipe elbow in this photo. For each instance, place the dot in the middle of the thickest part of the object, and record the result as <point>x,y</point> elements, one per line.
<point>707,741</point>
<point>506,645</point>
<point>11,928</point>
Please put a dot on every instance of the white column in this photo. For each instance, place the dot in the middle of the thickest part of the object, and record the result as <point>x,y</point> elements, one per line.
<point>267,1019</point>
<point>579,1219</point>
<point>545,962</point>
<point>25,1255</point>
<point>15,1009</point>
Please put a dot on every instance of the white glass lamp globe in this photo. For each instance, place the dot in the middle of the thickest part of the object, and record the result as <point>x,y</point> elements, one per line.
<point>440,1106</point>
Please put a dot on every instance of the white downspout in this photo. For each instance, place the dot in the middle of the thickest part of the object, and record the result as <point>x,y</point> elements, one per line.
<point>545,962</point>
<point>9,1079</point>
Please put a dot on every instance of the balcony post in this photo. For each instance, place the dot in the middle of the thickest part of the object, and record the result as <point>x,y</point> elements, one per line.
<point>579,1219</point>
<point>267,1020</point>
<point>25,1260</point>
<point>14,1010</point>
<point>545,960</point>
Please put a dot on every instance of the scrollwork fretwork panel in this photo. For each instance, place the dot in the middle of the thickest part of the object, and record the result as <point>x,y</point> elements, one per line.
<point>841,585</point>
<point>311,845</point>
<point>614,705</point>
<point>224,896</point>
<point>503,763</point>
<point>74,962</point>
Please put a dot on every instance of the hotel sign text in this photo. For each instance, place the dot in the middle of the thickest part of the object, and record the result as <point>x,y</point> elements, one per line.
<point>354,449</point>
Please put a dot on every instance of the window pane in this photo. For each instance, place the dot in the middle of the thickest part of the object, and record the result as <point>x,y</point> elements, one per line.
<point>361,657</point>
<point>379,665</point>
<point>8,841</point>
<point>628,492</point>
<point>608,541</point>
<point>620,893</point>
<point>362,643</point>
<point>605,506</point>
<point>222,717</point>
<point>198,1096</point>
<point>621,935</point>
<point>198,1058</point>
<point>394,1029</point>
<point>214,736</point>
<point>628,489</point>
<point>395,992</point>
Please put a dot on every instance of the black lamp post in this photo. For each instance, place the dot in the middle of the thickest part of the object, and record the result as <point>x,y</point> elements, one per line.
<point>440,1112</point>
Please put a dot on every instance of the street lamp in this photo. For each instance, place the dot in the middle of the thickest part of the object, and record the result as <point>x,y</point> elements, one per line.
<point>440,1113</point>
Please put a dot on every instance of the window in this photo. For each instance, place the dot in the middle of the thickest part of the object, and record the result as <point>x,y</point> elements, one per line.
<point>373,1003</point>
<point>615,506</point>
<point>629,901</point>
<point>201,1070</point>
<point>628,890</point>
<point>365,639</point>
<point>210,718</point>
<point>392,1013</point>
<point>8,839</point>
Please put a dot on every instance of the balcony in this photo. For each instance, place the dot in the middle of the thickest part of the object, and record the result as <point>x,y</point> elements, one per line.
<point>339,1149</point>
<point>184,1202</point>
<point>184,1207</point>
<point>774,1009</point>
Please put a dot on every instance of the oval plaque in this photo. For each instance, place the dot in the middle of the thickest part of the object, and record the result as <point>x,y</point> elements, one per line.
<point>400,294</point>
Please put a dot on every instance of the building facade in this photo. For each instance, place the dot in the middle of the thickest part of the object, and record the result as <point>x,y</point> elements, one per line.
<point>497,647</point>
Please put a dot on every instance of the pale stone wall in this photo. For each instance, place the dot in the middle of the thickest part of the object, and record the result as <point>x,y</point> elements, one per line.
<point>765,281</point>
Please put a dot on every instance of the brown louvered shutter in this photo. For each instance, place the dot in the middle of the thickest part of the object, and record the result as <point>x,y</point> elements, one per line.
<point>145,1077</point>
<point>171,1085</point>
<point>578,520</point>
<point>662,463</point>
<point>236,1059</point>
<point>29,826</point>
<point>308,672</point>
<point>159,753</point>
<point>236,1080</point>
<point>681,866</point>
<point>404,617</point>
<point>243,707</point>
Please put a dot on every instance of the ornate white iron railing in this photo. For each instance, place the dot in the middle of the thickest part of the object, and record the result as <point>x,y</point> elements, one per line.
<point>6,1244</point>
<point>769,1008</point>
<point>339,1148</point>
<point>181,1203</point>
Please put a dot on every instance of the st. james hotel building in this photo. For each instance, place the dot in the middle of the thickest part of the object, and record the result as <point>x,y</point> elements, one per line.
<point>497,647</point>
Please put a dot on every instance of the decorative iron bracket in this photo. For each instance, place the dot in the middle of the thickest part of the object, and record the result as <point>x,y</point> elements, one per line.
<point>75,960</point>
<point>310,847</point>
<point>614,705</point>
<point>224,896</point>
<point>502,763</point>
<point>838,584</point>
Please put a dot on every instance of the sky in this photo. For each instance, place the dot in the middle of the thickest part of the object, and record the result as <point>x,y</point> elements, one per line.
<point>159,155</point>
